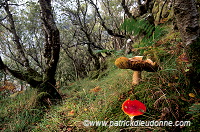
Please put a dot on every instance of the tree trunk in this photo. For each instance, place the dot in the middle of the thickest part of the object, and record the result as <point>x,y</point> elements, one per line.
<point>49,87</point>
<point>187,18</point>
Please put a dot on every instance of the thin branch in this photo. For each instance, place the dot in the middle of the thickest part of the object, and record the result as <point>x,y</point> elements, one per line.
<point>12,29</point>
<point>7,28</point>
<point>29,73</point>
<point>109,31</point>
<point>3,18</point>
<point>107,5</point>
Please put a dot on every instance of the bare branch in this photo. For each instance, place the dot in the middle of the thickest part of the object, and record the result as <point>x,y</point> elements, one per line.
<point>109,31</point>
<point>12,29</point>
<point>7,28</point>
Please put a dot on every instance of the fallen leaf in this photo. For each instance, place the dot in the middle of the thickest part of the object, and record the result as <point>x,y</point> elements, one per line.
<point>192,95</point>
<point>183,58</point>
<point>176,78</point>
<point>96,89</point>
<point>71,113</point>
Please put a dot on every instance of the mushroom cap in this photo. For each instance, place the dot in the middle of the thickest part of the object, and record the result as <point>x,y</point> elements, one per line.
<point>137,64</point>
<point>144,65</point>
<point>133,107</point>
<point>122,63</point>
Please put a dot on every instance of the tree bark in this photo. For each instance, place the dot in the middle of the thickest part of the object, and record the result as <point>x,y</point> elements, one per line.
<point>52,37</point>
<point>187,18</point>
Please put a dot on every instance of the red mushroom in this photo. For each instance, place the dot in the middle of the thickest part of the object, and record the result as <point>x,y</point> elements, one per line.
<point>133,108</point>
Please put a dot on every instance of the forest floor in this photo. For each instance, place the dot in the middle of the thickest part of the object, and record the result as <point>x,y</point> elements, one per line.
<point>165,93</point>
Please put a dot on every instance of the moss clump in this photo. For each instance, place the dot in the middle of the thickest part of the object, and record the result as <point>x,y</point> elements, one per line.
<point>122,63</point>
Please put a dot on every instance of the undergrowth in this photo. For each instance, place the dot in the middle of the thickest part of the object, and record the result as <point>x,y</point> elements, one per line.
<point>19,113</point>
<point>165,93</point>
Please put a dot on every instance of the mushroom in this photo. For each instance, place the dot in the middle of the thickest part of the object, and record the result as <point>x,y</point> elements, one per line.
<point>138,65</point>
<point>133,108</point>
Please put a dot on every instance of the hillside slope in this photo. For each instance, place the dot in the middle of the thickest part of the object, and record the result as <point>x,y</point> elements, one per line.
<point>165,94</point>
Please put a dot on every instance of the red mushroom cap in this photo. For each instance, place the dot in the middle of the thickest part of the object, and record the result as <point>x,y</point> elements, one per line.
<point>133,107</point>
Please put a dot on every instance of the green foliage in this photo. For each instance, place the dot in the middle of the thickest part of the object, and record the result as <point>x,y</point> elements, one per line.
<point>137,27</point>
<point>194,110</point>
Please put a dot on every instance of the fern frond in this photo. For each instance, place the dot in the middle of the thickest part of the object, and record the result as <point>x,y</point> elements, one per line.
<point>136,27</point>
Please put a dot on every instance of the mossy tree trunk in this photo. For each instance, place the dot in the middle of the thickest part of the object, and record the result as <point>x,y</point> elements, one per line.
<point>52,48</point>
<point>44,82</point>
<point>187,18</point>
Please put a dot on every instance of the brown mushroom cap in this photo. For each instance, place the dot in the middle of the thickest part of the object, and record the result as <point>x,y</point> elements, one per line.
<point>137,64</point>
<point>123,63</point>
<point>143,65</point>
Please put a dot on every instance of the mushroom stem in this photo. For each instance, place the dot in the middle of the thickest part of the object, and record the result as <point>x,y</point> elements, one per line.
<point>131,117</point>
<point>136,77</point>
